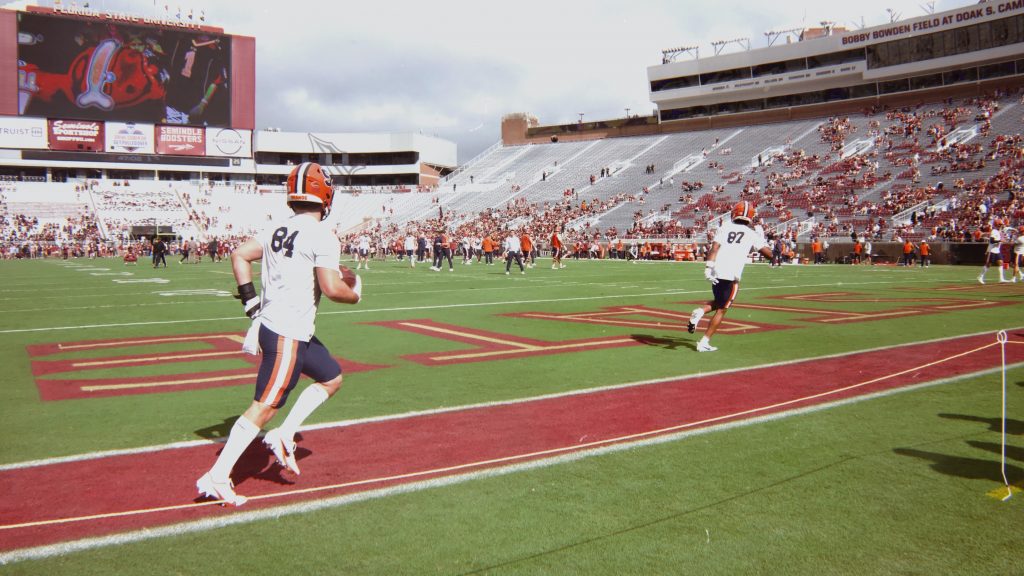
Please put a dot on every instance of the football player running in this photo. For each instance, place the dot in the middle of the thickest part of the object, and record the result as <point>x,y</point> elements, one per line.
<point>724,266</point>
<point>300,257</point>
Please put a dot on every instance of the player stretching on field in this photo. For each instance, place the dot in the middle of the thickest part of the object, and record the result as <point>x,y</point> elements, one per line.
<point>300,258</point>
<point>724,266</point>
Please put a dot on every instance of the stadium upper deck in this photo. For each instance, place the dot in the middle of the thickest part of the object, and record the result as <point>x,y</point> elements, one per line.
<point>962,45</point>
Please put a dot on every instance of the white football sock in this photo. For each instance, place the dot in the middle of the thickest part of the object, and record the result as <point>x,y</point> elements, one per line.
<point>697,314</point>
<point>310,399</point>
<point>242,434</point>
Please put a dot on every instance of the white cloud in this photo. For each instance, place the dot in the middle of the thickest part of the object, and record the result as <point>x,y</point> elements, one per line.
<point>448,66</point>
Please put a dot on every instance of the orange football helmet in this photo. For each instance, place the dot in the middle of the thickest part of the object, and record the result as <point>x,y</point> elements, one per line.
<point>744,212</point>
<point>309,183</point>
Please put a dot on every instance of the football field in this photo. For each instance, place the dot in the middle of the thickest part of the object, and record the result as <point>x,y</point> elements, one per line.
<point>553,422</point>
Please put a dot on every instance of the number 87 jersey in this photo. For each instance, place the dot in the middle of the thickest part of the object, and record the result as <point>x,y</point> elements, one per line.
<point>735,241</point>
<point>292,249</point>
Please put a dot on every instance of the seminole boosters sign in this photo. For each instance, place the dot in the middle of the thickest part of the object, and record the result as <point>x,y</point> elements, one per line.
<point>180,140</point>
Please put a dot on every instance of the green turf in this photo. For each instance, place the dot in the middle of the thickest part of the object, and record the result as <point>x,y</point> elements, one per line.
<point>894,485</point>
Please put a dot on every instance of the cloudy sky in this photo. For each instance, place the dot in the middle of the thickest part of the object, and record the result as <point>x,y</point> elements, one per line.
<point>452,68</point>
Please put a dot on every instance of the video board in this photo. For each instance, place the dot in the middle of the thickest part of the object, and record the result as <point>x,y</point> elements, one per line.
<point>115,71</point>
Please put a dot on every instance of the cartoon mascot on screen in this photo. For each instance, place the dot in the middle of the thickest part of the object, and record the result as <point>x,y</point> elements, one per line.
<point>107,75</point>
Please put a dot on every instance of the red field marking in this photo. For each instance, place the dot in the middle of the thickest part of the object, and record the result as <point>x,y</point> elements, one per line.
<point>489,346</point>
<point>630,317</point>
<point>906,306</point>
<point>1007,287</point>
<point>158,487</point>
<point>207,347</point>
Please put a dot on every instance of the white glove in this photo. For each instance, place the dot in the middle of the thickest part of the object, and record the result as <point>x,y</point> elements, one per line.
<point>358,288</point>
<point>709,273</point>
<point>252,338</point>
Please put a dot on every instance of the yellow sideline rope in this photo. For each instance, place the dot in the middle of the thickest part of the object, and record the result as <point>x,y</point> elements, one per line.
<point>494,461</point>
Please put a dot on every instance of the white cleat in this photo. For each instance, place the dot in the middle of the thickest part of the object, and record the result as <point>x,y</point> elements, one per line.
<point>981,279</point>
<point>223,491</point>
<point>702,347</point>
<point>283,452</point>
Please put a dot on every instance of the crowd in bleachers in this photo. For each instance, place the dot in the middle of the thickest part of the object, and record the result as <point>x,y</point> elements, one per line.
<point>940,170</point>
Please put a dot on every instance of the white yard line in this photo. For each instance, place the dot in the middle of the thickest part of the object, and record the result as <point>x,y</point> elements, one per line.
<point>703,292</point>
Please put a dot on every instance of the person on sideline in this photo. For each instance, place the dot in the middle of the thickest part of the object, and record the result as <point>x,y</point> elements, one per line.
<point>513,251</point>
<point>1018,255</point>
<point>994,252</point>
<point>300,256</point>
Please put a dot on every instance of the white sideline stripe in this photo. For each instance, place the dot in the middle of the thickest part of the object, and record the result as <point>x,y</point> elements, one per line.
<point>42,552</point>
<point>448,306</point>
<point>493,404</point>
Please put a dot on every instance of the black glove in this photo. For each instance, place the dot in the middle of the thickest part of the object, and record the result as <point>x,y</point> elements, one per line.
<point>250,300</point>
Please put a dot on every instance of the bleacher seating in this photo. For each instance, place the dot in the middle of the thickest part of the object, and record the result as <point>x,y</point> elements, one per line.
<point>876,174</point>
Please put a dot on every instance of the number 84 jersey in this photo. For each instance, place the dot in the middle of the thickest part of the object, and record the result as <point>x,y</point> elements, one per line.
<point>292,249</point>
<point>735,241</point>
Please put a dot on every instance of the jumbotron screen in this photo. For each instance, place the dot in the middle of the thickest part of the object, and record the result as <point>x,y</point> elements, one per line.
<point>114,71</point>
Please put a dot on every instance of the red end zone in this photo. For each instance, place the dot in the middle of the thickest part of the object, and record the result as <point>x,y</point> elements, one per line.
<point>156,488</point>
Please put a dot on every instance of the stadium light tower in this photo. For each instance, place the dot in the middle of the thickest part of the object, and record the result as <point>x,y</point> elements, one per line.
<point>669,55</point>
<point>581,117</point>
<point>721,44</point>
<point>774,35</point>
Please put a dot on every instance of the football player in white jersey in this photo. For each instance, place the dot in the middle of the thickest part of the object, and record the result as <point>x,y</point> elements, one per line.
<point>300,257</point>
<point>994,252</point>
<point>724,267</point>
<point>1018,255</point>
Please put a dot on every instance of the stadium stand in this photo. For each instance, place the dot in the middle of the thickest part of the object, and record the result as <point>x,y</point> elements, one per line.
<point>937,170</point>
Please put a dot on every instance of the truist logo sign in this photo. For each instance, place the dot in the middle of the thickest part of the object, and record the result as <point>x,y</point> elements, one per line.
<point>33,132</point>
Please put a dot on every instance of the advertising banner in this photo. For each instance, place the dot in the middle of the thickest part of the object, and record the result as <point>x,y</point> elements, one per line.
<point>180,141</point>
<point>129,137</point>
<point>24,133</point>
<point>229,142</point>
<point>86,135</point>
